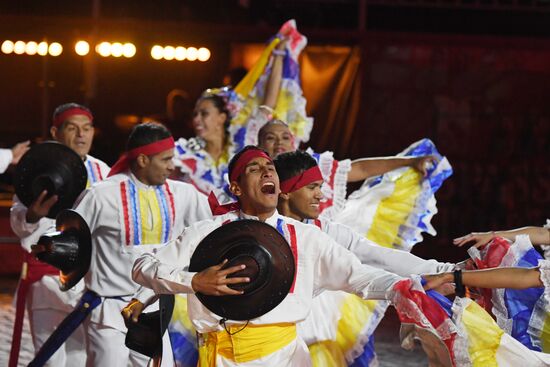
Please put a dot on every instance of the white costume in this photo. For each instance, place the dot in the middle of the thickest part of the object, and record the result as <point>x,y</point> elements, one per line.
<point>339,324</point>
<point>6,156</point>
<point>125,217</point>
<point>321,265</point>
<point>47,305</point>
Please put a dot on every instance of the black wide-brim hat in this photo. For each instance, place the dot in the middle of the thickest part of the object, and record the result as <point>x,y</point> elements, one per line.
<point>53,167</point>
<point>69,249</point>
<point>145,335</point>
<point>269,265</point>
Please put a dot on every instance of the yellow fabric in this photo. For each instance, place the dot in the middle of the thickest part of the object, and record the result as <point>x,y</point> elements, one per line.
<point>179,314</point>
<point>483,336</point>
<point>356,314</point>
<point>545,334</point>
<point>247,83</point>
<point>151,228</point>
<point>327,353</point>
<point>248,344</point>
<point>393,210</point>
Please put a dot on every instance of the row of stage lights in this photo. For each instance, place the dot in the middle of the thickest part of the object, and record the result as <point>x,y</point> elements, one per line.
<point>106,49</point>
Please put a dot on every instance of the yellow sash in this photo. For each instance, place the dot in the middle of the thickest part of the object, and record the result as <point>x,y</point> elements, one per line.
<point>252,342</point>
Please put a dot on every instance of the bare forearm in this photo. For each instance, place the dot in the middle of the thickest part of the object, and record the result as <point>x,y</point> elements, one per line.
<point>274,82</point>
<point>363,168</point>
<point>537,235</point>
<point>515,278</point>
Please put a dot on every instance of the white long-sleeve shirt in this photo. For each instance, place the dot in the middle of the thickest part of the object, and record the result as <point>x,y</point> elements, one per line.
<point>396,261</point>
<point>128,218</point>
<point>6,156</point>
<point>321,265</point>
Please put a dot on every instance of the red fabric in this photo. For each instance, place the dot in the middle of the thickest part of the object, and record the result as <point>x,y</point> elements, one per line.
<point>123,162</point>
<point>294,248</point>
<point>35,271</point>
<point>125,211</point>
<point>219,209</point>
<point>243,160</point>
<point>433,312</point>
<point>62,117</point>
<point>305,178</point>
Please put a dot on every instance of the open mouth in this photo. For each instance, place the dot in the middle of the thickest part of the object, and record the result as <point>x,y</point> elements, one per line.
<point>268,188</point>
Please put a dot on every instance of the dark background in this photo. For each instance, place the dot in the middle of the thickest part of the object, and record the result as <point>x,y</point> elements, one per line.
<point>473,76</point>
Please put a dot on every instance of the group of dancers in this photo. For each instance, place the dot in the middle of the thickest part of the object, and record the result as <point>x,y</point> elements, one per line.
<point>148,213</point>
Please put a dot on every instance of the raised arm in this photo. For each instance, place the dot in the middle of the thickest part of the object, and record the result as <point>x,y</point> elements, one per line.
<point>274,82</point>
<point>537,235</point>
<point>363,168</point>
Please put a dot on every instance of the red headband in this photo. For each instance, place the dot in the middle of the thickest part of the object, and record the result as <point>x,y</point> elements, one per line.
<point>243,160</point>
<point>123,162</point>
<point>62,117</point>
<point>305,178</point>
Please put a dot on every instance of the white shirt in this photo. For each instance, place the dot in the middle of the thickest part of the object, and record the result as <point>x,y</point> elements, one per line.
<point>6,157</point>
<point>321,265</point>
<point>118,236</point>
<point>396,261</point>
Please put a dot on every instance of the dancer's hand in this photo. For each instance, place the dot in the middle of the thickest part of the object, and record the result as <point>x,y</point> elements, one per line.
<point>479,239</point>
<point>18,150</point>
<point>40,207</point>
<point>421,163</point>
<point>213,281</point>
<point>437,281</point>
<point>132,310</point>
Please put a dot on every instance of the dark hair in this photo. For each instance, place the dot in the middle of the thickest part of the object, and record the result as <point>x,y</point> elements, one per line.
<point>67,106</point>
<point>291,164</point>
<point>236,157</point>
<point>147,133</point>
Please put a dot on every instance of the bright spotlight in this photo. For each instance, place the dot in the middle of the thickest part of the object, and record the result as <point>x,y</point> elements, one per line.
<point>180,53</point>
<point>31,48</point>
<point>156,52</point>
<point>82,48</point>
<point>192,53</point>
<point>128,50</point>
<point>42,48</point>
<point>203,54</point>
<point>116,49</point>
<point>19,47</point>
<point>169,53</point>
<point>7,47</point>
<point>104,49</point>
<point>55,49</point>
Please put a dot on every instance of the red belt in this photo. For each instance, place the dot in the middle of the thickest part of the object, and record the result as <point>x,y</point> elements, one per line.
<point>32,271</point>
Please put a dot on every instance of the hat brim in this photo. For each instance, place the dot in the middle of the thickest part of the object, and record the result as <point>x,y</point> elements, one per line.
<point>276,283</point>
<point>70,220</point>
<point>54,167</point>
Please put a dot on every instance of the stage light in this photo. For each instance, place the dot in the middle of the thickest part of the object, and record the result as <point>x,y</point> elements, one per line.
<point>169,53</point>
<point>82,48</point>
<point>203,54</point>
<point>156,52</point>
<point>103,49</point>
<point>180,53</point>
<point>31,48</point>
<point>42,48</point>
<point>19,47</point>
<point>7,47</point>
<point>128,50</point>
<point>116,49</point>
<point>192,53</point>
<point>55,49</point>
